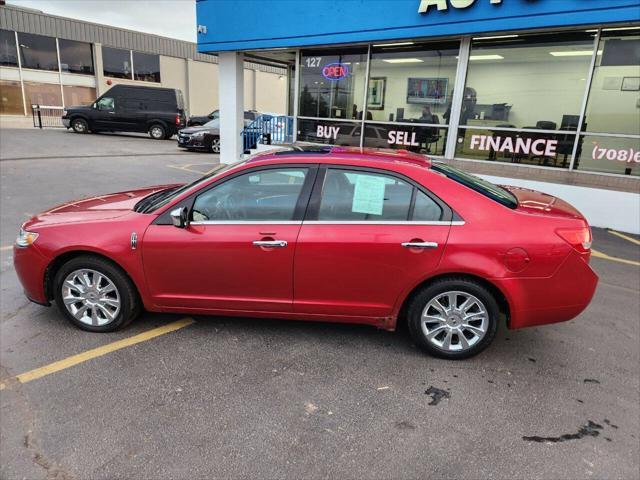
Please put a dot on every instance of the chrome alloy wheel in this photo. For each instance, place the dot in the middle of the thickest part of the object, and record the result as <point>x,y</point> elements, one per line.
<point>215,145</point>
<point>157,132</point>
<point>454,321</point>
<point>91,297</point>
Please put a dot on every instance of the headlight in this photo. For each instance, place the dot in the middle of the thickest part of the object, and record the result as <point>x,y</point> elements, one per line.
<point>199,134</point>
<point>25,238</point>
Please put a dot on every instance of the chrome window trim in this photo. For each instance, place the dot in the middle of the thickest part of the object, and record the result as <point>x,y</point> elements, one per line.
<point>247,222</point>
<point>380,222</point>
<point>323,222</point>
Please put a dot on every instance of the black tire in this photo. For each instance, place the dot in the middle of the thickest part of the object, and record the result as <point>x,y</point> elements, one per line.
<point>80,125</point>
<point>157,131</point>
<point>130,304</point>
<point>433,291</point>
<point>214,145</point>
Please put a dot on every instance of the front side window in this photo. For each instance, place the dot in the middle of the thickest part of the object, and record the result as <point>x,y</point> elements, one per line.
<point>146,67</point>
<point>38,52</point>
<point>362,196</point>
<point>8,52</point>
<point>106,103</point>
<point>116,62</point>
<point>264,195</point>
<point>75,57</point>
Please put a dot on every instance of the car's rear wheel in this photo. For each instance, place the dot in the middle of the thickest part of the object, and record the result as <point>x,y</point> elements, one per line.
<point>215,145</point>
<point>80,125</point>
<point>157,131</point>
<point>95,295</point>
<point>453,318</point>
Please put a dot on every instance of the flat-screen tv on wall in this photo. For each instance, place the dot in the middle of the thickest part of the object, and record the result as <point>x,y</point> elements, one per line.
<point>427,90</point>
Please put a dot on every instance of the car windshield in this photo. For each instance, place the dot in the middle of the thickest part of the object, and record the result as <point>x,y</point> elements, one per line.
<point>484,187</point>
<point>156,200</point>
<point>215,123</point>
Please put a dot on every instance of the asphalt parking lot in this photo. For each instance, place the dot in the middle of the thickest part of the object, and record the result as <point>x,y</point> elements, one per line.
<point>209,397</point>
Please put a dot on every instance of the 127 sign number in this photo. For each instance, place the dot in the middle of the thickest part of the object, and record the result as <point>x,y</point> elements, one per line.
<point>313,62</point>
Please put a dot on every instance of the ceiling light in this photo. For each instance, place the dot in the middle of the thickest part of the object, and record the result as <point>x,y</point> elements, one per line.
<point>399,44</point>
<point>574,53</point>
<point>402,60</point>
<point>486,57</point>
<point>495,37</point>
<point>619,28</point>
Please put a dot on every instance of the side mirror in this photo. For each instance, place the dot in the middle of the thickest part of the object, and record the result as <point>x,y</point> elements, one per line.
<point>180,217</point>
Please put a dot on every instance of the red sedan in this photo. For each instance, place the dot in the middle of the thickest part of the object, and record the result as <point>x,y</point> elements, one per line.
<point>331,234</point>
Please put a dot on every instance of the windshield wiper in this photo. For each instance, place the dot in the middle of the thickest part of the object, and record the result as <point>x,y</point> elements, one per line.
<point>143,205</point>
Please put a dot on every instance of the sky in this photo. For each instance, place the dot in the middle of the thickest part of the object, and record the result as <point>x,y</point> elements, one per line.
<point>169,18</point>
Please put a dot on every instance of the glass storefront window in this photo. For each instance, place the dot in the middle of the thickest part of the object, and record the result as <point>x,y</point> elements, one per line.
<point>10,98</point>
<point>614,97</point>
<point>430,140</point>
<point>530,148</point>
<point>8,52</point>
<point>75,57</point>
<point>116,62</point>
<point>38,52</point>
<point>608,154</point>
<point>329,132</point>
<point>78,95</point>
<point>535,81</point>
<point>43,94</point>
<point>412,83</point>
<point>332,83</point>
<point>146,67</point>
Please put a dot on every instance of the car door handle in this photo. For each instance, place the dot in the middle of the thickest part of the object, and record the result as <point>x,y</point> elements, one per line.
<point>270,243</point>
<point>419,245</point>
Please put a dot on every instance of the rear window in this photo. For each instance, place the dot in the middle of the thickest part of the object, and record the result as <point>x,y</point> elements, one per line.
<point>488,189</point>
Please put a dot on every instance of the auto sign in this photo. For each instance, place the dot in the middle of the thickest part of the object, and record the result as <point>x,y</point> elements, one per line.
<point>335,71</point>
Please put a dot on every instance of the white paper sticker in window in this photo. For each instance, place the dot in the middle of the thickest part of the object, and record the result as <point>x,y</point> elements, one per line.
<point>368,196</point>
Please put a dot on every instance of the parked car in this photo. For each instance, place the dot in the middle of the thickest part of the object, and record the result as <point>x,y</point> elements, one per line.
<point>194,121</point>
<point>333,234</point>
<point>204,138</point>
<point>130,108</point>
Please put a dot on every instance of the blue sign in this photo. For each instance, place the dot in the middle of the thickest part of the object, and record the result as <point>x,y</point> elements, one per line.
<point>231,25</point>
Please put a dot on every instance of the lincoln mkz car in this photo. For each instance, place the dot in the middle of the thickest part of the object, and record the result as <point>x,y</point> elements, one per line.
<point>326,234</point>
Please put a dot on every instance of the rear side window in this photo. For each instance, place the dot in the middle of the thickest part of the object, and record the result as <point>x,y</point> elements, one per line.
<point>349,195</point>
<point>488,189</point>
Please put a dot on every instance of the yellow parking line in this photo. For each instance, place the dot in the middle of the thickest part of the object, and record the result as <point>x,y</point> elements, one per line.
<point>604,256</point>
<point>6,247</point>
<point>624,237</point>
<point>97,352</point>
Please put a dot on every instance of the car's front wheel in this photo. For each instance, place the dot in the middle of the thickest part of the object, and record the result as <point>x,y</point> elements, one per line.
<point>80,125</point>
<point>453,318</point>
<point>215,145</point>
<point>95,295</point>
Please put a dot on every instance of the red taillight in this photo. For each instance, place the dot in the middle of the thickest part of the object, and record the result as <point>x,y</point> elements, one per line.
<point>177,119</point>
<point>578,238</point>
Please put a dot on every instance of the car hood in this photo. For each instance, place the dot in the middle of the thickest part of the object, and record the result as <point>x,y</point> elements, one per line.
<point>532,201</point>
<point>192,130</point>
<point>102,207</point>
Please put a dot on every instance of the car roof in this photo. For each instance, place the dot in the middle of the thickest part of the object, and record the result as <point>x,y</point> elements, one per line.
<point>327,154</point>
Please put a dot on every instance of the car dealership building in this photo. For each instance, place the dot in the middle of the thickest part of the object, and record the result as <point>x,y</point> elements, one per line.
<point>542,94</point>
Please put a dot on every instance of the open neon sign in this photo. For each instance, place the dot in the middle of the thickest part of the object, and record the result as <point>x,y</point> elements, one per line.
<point>335,71</point>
